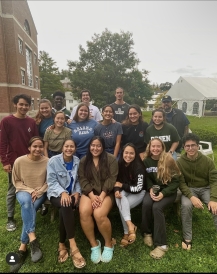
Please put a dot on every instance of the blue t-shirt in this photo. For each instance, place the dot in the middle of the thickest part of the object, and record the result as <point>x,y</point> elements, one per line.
<point>45,123</point>
<point>69,170</point>
<point>82,132</point>
<point>109,134</point>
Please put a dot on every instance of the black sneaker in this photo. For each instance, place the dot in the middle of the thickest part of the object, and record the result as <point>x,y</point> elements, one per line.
<point>11,225</point>
<point>22,257</point>
<point>44,210</point>
<point>36,253</point>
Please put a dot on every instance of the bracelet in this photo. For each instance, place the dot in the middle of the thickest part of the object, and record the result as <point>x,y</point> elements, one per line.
<point>171,152</point>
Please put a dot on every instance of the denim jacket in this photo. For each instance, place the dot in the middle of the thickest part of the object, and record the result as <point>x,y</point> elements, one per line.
<point>58,179</point>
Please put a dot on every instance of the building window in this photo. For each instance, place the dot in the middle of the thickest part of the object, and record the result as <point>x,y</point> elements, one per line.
<point>27,28</point>
<point>184,107</point>
<point>23,77</point>
<point>20,44</point>
<point>36,82</point>
<point>29,66</point>
<point>70,101</point>
<point>35,59</point>
<point>195,108</point>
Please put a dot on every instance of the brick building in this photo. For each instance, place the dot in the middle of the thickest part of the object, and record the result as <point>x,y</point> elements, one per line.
<point>19,70</point>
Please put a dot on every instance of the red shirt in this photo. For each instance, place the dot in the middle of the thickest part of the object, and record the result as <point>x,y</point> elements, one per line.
<point>15,134</point>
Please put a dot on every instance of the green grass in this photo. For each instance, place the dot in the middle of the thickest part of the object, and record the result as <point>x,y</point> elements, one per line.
<point>135,258</point>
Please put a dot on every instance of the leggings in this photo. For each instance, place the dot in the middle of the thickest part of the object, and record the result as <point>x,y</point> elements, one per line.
<point>67,218</point>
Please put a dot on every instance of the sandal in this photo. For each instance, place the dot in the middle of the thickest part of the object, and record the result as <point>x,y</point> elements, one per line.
<point>124,241</point>
<point>132,235</point>
<point>96,253</point>
<point>63,254</point>
<point>158,252</point>
<point>148,239</point>
<point>186,245</point>
<point>78,262</point>
<point>108,252</point>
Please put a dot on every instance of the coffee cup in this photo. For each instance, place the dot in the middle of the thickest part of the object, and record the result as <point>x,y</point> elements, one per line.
<point>156,189</point>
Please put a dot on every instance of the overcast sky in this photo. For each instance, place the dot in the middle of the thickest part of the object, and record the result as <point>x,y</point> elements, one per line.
<point>172,38</point>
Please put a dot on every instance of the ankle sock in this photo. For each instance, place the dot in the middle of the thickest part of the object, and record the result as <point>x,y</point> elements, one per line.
<point>164,246</point>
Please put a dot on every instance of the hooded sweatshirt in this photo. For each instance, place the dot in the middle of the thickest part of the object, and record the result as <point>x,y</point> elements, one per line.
<point>200,172</point>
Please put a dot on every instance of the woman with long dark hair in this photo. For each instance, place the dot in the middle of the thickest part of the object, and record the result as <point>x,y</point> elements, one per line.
<point>97,175</point>
<point>109,131</point>
<point>64,193</point>
<point>29,178</point>
<point>134,129</point>
<point>129,189</point>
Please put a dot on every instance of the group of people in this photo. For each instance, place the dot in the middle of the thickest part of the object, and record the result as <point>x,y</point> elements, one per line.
<point>93,161</point>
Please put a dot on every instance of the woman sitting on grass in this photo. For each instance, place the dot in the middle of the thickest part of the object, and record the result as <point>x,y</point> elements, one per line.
<point>55,136</point>
<point>29,179</point>
<point>97,175</point>
<point>129,189</point>
<point>162,171</point>
<point>64,192</point>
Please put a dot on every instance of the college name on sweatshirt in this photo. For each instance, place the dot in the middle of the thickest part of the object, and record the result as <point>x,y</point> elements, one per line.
<point>165,138</point>
<point>139,185</point>
<point>83,130</point>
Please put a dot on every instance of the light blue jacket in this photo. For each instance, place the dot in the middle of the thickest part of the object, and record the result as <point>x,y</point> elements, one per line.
<point>58,179</point>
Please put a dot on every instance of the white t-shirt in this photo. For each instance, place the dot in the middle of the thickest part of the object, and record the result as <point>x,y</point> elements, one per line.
<point>94,112</point>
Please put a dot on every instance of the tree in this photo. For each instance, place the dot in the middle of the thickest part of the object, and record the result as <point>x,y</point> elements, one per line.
<point>49,75</point>
<point>165,86</point>
<point>110,62</point>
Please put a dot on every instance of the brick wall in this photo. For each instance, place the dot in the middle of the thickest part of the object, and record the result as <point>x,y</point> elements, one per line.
<point>12,17</point>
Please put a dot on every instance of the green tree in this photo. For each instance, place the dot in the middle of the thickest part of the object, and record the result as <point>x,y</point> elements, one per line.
<point>49,76</point>
<point>165,86</point>
<point>110,62</point>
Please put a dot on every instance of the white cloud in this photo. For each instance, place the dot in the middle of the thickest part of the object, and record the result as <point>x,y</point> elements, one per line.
<point>169,36</point>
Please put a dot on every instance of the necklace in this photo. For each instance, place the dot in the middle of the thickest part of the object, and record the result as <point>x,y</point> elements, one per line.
<point>135,127</point>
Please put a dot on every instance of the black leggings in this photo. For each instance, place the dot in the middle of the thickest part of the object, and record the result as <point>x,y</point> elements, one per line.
<point>67,218</point>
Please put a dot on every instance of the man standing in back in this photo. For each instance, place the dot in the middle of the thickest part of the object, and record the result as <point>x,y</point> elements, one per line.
<point>58,101</point>
<point>176,117</point>
<point>15,132</point>
<point>94,111</point>
<point>120,107</point>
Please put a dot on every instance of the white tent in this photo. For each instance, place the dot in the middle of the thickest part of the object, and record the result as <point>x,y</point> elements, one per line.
<point>191,93</point>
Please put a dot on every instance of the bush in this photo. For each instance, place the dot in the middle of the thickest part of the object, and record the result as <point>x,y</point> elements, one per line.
<point>206,135</point>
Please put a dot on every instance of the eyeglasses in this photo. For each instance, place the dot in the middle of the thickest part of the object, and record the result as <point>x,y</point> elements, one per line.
<point>191,146</point>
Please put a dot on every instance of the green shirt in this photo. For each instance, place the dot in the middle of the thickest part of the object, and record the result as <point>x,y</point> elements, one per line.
<point>168,134</point>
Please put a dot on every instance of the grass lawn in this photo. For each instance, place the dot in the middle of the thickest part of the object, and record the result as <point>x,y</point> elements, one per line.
<point>135,258</point>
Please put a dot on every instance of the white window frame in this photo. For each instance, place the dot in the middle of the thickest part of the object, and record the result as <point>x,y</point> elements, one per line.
<point>23,76</point>
<point>20,45</point>
<point>29,66</point>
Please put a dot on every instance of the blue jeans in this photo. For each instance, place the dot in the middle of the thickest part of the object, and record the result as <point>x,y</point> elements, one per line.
<point>28,213</point>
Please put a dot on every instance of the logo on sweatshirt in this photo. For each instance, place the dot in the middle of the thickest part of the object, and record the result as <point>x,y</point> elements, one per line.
<point>29,129</point>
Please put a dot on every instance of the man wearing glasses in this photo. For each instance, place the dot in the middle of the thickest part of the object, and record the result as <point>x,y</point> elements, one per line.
<point>198,185</point>
<point>176,117</point>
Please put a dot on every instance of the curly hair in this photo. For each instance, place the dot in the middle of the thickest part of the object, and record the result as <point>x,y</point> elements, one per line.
<point>167,166</point>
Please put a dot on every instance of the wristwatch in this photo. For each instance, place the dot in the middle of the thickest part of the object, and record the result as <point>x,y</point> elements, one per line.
<point>171,152</point>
